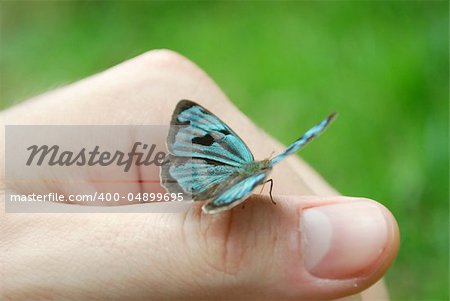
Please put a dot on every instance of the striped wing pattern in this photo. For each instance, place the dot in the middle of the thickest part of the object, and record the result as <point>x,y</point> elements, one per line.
<point>198,133</point>
<point>239,190</point>
<point>304,139</point>
<point>195,176</point>
<point>206,159</point>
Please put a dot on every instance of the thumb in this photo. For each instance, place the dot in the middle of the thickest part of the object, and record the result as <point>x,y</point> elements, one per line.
<point>303,248</point>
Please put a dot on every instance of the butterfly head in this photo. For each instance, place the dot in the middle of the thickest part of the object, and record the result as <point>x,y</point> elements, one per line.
<point>265,164</point>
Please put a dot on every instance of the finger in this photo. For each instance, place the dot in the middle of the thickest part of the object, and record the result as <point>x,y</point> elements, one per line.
<point>316,248</point>
<point>303,248</point>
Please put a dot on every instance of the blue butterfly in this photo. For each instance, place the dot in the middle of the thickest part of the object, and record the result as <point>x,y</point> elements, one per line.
<point>209,162</point>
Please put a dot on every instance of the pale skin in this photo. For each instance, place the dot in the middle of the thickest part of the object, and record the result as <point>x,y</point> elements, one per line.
<point>276,252</point>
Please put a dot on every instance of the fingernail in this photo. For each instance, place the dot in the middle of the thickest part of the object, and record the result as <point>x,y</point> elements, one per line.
<point>341,241</point>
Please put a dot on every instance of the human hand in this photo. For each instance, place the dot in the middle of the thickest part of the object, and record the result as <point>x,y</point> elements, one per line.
<point>317,247</point>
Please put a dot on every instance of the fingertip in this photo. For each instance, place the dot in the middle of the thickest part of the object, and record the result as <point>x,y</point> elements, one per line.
<point>345,240</point>
<point>305,247</point>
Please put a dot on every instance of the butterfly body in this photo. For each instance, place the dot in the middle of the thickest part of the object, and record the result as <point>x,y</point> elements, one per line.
<point>255,167</point>
<point>209,162</point>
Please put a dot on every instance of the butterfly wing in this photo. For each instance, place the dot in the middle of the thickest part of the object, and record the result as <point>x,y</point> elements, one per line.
<point>196,132</point>
<point>237,190</point>
<point>205,152</point>
<point>195,176</point>
<point>304,139</point>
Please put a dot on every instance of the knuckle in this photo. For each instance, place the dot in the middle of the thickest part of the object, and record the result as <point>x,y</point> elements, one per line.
<point>163,57</point>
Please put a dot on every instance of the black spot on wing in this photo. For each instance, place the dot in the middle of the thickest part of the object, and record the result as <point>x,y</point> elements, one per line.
<point>206,140</point>
<point>225,132</point>
<point>194,122</point>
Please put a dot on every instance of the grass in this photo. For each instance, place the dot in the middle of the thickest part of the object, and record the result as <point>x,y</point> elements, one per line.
<point>383,66</point>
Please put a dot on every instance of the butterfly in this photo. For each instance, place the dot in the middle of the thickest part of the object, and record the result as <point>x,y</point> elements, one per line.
<point>209,162</point>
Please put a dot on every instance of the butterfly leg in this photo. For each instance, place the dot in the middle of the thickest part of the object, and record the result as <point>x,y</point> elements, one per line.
<point>270,191</point>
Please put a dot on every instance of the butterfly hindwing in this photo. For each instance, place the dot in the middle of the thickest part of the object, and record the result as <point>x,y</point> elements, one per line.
<point>234,192</point>
<point>195,176</point>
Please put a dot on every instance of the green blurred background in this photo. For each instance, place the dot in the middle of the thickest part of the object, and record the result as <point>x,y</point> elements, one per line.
<point>382,65</point>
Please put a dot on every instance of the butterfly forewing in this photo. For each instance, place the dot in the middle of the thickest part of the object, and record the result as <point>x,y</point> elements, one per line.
<point>198,133</point>
<point>304,139</point>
